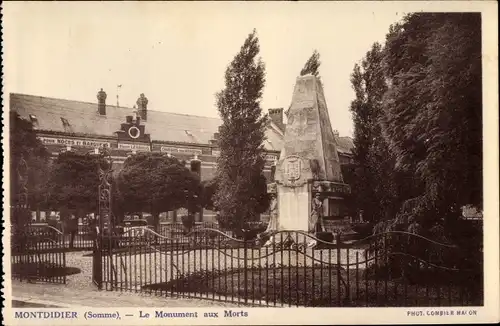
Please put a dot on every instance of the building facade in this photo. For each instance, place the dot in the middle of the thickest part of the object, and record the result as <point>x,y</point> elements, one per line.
<point>63,125</point>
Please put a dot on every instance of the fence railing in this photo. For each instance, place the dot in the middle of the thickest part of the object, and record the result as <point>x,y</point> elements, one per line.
<point>84,236</point>
<point>292,268</point>
<point>38,254</point>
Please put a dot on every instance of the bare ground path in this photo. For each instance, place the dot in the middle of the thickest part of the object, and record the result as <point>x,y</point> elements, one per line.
<point>80,292</point>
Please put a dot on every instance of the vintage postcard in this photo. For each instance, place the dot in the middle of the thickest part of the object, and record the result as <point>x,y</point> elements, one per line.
<point>232,163</point>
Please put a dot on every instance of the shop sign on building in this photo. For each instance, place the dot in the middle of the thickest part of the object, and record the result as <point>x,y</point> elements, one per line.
<point>135,147</point>
<point>181,150</point>
<point>73,142</point>
<point>271,157</point>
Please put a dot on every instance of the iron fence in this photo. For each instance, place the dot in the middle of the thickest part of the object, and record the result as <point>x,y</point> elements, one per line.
<point>38,254</point>
<point>292,268</point>
<point>80,239</point>
<point>83,238</point>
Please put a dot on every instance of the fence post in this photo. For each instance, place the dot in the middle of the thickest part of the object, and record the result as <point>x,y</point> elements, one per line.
<point>110,258</point>
<point>339,261</point>
<point>245,269</point>
<point>64,260</point>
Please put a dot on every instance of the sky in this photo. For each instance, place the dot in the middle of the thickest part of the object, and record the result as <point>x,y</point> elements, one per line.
<point>177,53</point>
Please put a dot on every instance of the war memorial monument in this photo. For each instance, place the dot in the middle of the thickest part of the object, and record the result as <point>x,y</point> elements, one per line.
<point>308,181</point>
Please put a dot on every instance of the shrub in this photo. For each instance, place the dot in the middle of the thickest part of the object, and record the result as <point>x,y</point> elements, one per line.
<point>188,222</point>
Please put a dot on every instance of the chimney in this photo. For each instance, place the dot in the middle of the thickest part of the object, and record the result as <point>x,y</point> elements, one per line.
<point>196,165</point>
<point>142,107</point>
<point>277,117</point>
<point>336,133</point>
<point>214,139</point>
<point>101,102</point>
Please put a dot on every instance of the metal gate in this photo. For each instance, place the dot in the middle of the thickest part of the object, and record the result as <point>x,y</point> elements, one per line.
<point>38,252</point>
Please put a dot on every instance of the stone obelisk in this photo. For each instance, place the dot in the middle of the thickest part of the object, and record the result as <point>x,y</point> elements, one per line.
<point>308,170</point>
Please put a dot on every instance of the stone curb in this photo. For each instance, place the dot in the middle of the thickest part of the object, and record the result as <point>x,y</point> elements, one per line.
<point>45,302</point>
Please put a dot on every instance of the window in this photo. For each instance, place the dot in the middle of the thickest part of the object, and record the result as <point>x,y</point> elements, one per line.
<point>65,122</point>
<point>193,138</point>
<point>66,125</point>
<point>34,120</point>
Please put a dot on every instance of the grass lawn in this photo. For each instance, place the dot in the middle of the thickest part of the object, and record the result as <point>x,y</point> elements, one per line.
<point>308,286</point>
<point>43,270</point>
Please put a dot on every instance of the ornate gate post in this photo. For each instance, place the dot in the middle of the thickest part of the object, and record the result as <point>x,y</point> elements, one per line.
<point>104,167</point>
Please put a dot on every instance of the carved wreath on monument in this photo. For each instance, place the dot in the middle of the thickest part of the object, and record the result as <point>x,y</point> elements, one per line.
<point>292,167</point>
<point>293,171</point>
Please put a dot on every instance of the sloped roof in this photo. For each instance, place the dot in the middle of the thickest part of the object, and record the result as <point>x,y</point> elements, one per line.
<point>344,144</point>
<point>83,118</point>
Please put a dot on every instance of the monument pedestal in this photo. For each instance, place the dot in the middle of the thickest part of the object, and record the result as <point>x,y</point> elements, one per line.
<point>294,203</point>
<point>297,205</point>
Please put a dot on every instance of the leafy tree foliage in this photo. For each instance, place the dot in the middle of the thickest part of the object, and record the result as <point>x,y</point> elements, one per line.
<point>373,181</point>
<point>433,109</point>
<point>312,65</point>
<point>418,124</point>
<point>349,177</point>
<point>155,183</point>
<point>73,183</point>
<point>23,143</point>
<point>209,187</point>
<point>259,194</point>
<point>118,204</point>
<point>242,135</point>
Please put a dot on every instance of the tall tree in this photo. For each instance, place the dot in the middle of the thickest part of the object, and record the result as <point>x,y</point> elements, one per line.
<point>312,65</point>
<point>155,183</point>
<point>372,184</point>
<point>242,135</point>
<point>433,109</point>
<point>209,187</point>
<point>258,193</point>
<point>25,145</point>
<point>72,183</point>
